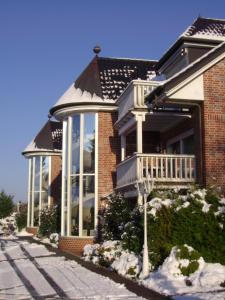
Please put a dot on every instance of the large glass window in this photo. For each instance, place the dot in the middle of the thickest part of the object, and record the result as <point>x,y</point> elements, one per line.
<point>38,188</point>
<point>79,150</point>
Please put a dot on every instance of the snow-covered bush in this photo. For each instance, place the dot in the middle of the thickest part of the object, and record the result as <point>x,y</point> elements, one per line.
<point>8,225</point>
<point>195,217</point>
<point>116,215</point>
<point>54,238</point>
<point>111,255</point>
<point>48,221</point>
<point>169,278</point>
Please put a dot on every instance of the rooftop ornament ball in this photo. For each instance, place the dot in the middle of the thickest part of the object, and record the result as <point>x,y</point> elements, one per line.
<point>97,49</point>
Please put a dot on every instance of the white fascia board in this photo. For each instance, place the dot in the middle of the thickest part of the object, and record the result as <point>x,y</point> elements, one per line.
<point>42,153</point>
<point>193,90</point>
<point>195,75</point>
<point>68,111</point>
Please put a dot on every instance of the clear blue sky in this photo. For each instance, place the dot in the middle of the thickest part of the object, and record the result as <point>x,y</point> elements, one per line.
<point>45,44</point>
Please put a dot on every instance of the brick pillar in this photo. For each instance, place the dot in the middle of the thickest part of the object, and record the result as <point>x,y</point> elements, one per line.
<point>56,182</point>
<point>214,125</point>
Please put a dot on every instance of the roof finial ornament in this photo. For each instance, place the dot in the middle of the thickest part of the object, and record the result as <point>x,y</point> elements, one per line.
<point>97,49</point>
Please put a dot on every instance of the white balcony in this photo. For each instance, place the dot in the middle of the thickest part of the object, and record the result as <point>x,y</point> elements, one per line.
<point>134,96</point>
<point>160,168</point>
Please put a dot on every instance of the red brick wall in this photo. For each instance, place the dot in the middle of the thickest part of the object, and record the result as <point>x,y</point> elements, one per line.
<point>108,152</point>
<point>74,245</point>
<point>214,125</point>
<point>32,230</point>
<point>56,181</point>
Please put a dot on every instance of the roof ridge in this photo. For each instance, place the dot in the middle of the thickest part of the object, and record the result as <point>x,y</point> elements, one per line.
<point>129,58</point>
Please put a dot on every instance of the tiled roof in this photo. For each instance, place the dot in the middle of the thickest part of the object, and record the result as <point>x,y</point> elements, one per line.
<point>104,79</point>
<point>116,73</point>
<point>49,139</point>
<point>206,28</point>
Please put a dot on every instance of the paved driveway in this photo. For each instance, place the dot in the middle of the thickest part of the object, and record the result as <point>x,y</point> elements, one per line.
<point>30,271</point>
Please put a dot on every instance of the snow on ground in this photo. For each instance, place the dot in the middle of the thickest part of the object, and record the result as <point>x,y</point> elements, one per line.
<point>30,270</point>
<point>205,282</point>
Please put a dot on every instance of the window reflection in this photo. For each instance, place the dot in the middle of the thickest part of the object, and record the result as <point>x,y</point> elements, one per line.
<point>75,206</point>
<point>89,143</point>
<point>76,145</point>
<point>88,205</point>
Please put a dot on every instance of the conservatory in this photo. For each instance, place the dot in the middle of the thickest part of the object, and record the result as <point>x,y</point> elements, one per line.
<point>44,159</point>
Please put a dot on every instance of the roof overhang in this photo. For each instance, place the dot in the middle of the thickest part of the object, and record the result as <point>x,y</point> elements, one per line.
<point>29,154</point>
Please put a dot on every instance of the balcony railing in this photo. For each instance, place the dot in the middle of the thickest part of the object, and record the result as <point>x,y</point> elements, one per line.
<point>160,168</point>
<point>134,96</point>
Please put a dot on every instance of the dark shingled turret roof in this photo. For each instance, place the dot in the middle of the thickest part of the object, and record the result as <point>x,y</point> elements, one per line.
<point>49,139</point>
<point>104,80</point>
<point>208,28</point>
<point>108,77</point>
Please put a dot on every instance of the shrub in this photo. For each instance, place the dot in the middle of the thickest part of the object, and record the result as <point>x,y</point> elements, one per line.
<point>21,219</point>
<point>195,217</point>
<point>116,215</point>
<point>6,204</point>
<point>48,221</point>
<point>132,238</point>
<point>191,268</point>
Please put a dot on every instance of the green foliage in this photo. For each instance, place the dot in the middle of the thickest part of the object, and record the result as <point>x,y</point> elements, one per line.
<point>117,214</point>
<point>178,224</point>
<point>132,238</point>
<point>6,204</point>
<point>48,221</point>
<point>191,268</point>
<point>185,253</point>
<point>21,218</point>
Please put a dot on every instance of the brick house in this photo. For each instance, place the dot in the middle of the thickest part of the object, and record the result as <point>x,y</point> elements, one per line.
<point>127,119</point>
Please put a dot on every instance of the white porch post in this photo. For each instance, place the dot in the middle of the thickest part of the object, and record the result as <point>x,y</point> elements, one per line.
<point>139,119</point>
<point>123,146</point>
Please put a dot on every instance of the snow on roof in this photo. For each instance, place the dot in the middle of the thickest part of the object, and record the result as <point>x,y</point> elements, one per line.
<point>49,139</point>
<point>206,28</point>
<point>76,95</point>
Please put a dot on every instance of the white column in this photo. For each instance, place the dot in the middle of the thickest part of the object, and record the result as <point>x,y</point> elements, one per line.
<point>49,179</point>
<point>69,161</point>
<point>123,146</point>
<point>139,141</point>
<point>29,195</point>
<point>96,170</point>
<point>64,162</point>
<point>40,191</point>
<point>32,194</point>
<point>81,175</point>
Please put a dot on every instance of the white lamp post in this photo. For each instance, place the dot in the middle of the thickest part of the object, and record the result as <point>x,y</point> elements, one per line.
<point>144,187</point>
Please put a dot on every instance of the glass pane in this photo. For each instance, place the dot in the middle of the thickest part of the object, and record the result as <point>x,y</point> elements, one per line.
<point>37,174</point>
<point>44,200</point>
<point>188,145</point>
<point>76,145</point>
<point>45,173</point>
<point>89,143</point>
<point>88,205</point>
<point>75,205</point>
<point>36,208</point>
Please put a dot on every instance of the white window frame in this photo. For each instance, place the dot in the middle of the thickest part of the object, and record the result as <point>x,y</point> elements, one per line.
<point>31,188</point>
<point>66,174</point>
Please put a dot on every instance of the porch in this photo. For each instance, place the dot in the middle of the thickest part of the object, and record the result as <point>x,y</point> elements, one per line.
<point>160,143</point>
<point>162,169</point>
